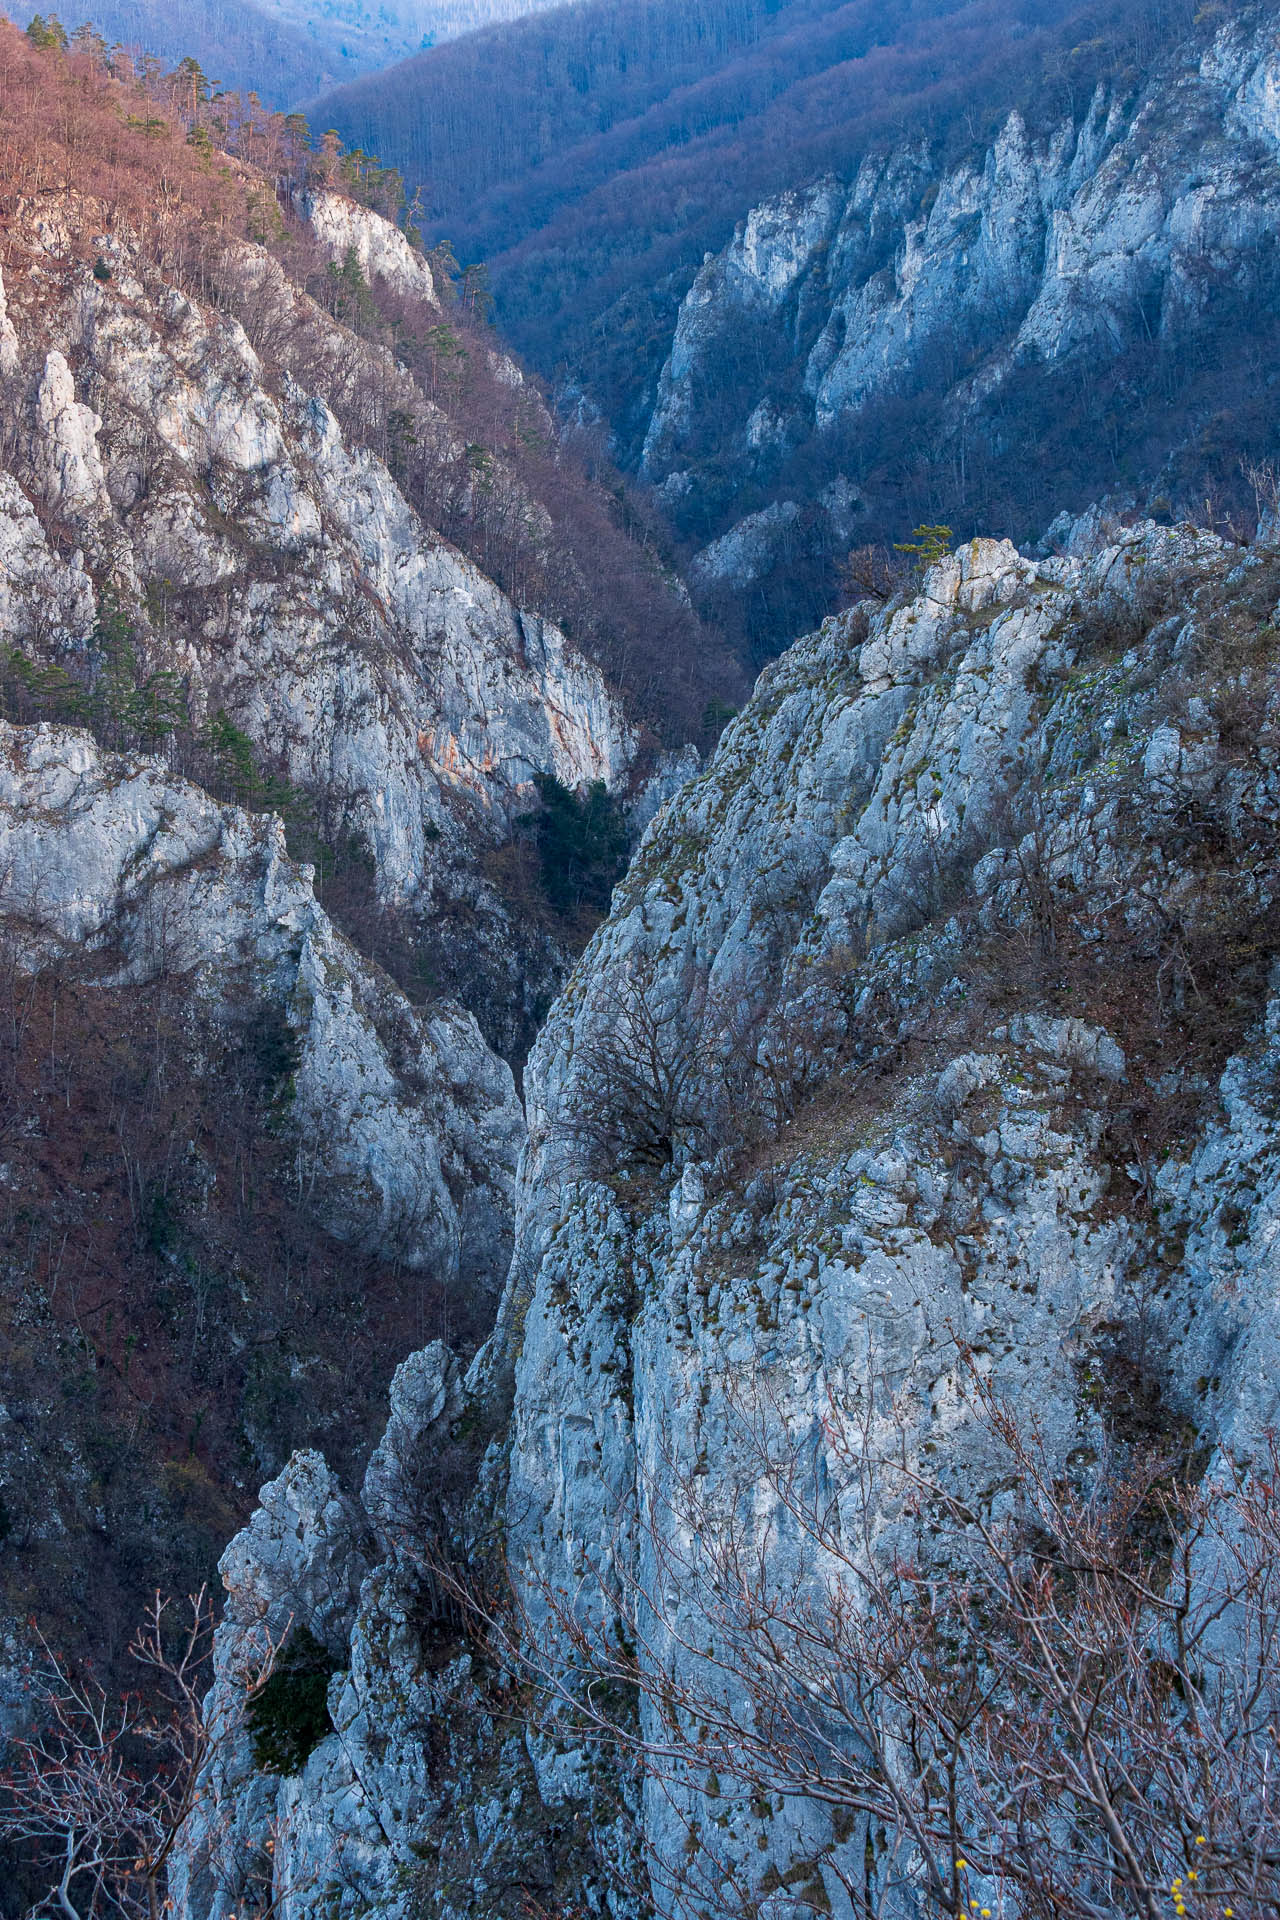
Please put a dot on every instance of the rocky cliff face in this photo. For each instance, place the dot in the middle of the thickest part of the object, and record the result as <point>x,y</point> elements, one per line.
<point>380,250</point>
<point>950,309</point>
<point>267,1171</point>
<point>166,472</point>
<point>935,1026</point>
<point>396,1112</point>
<point>954,981</point>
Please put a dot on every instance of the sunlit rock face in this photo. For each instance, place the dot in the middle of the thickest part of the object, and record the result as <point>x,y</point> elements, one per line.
<point>379,249</point>
<point>911,925</point>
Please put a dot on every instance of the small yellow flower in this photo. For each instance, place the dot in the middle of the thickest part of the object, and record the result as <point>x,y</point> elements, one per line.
<point>1193,1875</point>
<point>986,1913</point>
<point>962,1863</point>
<point>1229,1912</point>
<point>1201,1841</point>
<point>974,1905</point>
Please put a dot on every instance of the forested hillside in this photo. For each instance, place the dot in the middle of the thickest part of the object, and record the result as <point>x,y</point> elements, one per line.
<point>283,50</point>
<point>237,43</point>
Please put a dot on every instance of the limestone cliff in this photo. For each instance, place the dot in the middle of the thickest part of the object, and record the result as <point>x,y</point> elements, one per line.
<point>955,973</point>
<point>933,1033</point>
<point>247,677</point>
<point>920,329</point>
<point>166,472</point>
<point>397,1111</point>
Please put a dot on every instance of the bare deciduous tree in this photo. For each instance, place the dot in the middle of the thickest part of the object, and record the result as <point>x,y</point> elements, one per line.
<point>1065,1704</point>
<point>642,1077</point>
<point>872,573</point>
<point>99,1790</point>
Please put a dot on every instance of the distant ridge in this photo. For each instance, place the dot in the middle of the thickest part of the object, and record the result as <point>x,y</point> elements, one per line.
<point>592,155</point>
<point>283,50</point>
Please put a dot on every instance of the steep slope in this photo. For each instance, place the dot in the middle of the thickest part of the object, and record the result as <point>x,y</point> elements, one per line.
<point>237,43</point>
<point>278,572</point>
<point>594,198</point>
<point>294,489</point>
<point>115,858</point>
<point>242,1176</point>
<point>272,913</point>
<point>463,122</point>
<point>955,973</point>
<point>924,221</point>
<point>410,369</point>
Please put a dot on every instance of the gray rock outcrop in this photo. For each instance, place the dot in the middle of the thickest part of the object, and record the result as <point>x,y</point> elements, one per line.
<point>942,308</point>
<point>203,493</point>
<point>396,1111</point>
<point>915,946</point>
<point>380,250</point>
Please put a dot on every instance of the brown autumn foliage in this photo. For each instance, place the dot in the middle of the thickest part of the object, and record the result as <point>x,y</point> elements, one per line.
<point>668,121</point>
<point>151,158</point>
<point>175,1315</point>
<point>71,126</point>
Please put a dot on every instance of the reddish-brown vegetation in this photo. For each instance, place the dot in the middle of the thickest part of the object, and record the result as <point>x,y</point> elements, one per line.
<point>97,148</point>
<point>69,125</point>
<point>175,1316</point>
<point>96,1794</point>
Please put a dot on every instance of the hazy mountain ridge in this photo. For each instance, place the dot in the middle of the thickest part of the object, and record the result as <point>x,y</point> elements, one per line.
<point>283,50</point>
